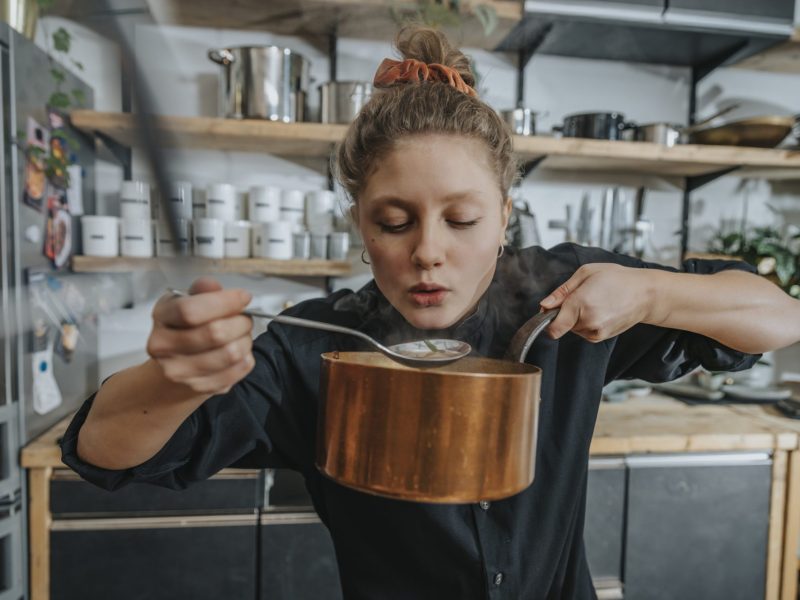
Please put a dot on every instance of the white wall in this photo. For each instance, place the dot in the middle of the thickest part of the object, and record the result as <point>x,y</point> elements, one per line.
<point>185,82</point>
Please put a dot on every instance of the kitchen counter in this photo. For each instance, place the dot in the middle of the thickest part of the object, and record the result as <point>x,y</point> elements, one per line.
<point>654,423</point>
<point>651,424</point>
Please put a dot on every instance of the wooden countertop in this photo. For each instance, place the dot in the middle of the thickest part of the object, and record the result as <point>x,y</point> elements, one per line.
<point>654,423</point>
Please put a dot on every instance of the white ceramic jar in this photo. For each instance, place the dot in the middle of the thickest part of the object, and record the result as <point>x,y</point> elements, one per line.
<point>100,235</point>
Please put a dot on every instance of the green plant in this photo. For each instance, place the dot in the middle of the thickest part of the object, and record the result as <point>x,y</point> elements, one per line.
<point>56,161</point>
<point>444,13</point>
<point>765,248</point>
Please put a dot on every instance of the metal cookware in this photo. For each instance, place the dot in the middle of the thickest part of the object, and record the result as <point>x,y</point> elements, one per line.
<point>340,101</point>
<point>759,132</point>
<point>421,354</point>
<point>598,126</point>
<point>522,121</point>
<point>461,433</point>
<point>669,134</point>
<point>262,82</point>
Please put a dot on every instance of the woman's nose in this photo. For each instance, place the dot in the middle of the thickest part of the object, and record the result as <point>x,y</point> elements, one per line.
<point>428,251</point>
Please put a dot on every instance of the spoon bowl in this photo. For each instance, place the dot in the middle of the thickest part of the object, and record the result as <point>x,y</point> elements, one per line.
<point>420,354</point>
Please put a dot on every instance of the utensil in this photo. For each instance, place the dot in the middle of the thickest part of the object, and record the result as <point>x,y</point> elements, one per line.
<point>759,132</point>
<point>421,354</point>
<point>462,433</point>
<point>598,126</point>
<point>670,134</point>
<point>341,101</point>
<point>521,120</point>
<point>263,82</point>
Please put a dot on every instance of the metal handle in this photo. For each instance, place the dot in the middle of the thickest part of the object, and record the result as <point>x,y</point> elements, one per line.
<point>523,340</point>
<point>222,56</point>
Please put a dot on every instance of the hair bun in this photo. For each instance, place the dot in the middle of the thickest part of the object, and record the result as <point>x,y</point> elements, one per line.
<point>431,46</point>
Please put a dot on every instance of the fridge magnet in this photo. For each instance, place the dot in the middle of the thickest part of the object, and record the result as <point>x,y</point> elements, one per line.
<point>46,393</point>
<point>58,230</point>
<point>67,340</point>
<point>35,180</point>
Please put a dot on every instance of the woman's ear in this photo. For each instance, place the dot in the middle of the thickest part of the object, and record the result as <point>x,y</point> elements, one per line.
<point>507,206</point>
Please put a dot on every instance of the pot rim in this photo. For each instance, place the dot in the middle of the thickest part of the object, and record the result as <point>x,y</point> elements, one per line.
<point>341,357</point>
<point>612,114</point>
<point>283,49</point>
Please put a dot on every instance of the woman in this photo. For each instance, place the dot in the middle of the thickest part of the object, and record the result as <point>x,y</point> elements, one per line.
<point>428,167</point>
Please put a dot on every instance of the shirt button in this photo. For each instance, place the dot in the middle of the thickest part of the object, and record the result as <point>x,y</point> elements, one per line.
<point>498,578</point>
<point>484,504</point>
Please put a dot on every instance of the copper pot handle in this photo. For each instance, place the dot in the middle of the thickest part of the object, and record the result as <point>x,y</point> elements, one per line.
<point>523,340</point>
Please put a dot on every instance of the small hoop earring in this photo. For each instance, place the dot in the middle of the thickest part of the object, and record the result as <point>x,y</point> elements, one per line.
<point>364,257</point>
<point>501,251</point>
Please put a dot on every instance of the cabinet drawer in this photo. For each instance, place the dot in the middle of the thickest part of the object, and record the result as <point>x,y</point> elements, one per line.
<point>298,561</point>
<point>230,491</point>
<point>286,489</point>
<point>605,518</point>
<point>162,558</point>
<point>697,526</point>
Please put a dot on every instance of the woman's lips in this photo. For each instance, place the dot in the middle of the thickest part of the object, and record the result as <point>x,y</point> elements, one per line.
<point>428,297</point>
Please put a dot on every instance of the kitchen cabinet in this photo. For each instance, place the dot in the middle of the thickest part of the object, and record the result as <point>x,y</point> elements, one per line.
<point>697,526</point>
<point>605,520</point>
<point>297,561</point>
<point>779,10</point>
<point>645,520</point>
<point>157,559</point>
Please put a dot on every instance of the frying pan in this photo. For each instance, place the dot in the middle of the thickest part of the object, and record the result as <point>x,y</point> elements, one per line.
<point>758,132</point>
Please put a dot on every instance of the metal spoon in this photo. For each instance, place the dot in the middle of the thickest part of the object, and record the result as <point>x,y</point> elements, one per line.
<point>422,353</point>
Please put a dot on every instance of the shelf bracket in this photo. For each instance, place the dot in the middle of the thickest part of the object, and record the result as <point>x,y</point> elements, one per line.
<point>702,70</point>
<point>531,165</point>
<point>523,58</point>
<point>122,153</point>
<point>698,181</point>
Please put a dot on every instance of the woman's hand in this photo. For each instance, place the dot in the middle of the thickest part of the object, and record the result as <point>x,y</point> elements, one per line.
<point>203,341</point>
<point>600,301</point>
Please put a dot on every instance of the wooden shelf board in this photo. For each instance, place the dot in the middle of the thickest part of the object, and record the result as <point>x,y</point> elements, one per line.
<point>783,58</point>
<point>252,135</point>
<point>366,19</point>
<point>262,266</point>
<point>317,140</point>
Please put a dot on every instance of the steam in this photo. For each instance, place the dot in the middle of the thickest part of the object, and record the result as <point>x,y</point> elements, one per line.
<point>523,279</point>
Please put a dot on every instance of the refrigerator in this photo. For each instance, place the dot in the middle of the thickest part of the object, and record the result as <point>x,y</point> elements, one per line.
<point>48,355</point>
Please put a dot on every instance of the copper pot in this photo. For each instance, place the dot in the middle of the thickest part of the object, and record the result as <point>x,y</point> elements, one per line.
<point>461,433</point>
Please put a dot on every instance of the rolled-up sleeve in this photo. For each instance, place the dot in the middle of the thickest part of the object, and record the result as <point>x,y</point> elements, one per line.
<point>658,354</point>
<point>232,429</point>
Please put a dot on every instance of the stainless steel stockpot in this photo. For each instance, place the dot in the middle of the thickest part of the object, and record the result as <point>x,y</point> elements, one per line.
<point>262,82</point>
<point>340,101</point>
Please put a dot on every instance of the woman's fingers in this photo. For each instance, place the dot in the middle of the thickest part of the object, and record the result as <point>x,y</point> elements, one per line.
<point>562,292</point>
<point>222,381</point>
<point>170,341</point>
<point>183,369</point>
<point>567,318</point>
<point>199,309</point>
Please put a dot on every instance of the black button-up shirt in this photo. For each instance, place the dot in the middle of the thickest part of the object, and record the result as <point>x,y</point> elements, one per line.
<point>528,546</point>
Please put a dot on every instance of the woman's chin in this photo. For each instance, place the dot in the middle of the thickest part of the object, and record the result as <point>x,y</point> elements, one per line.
<point>430,317</point>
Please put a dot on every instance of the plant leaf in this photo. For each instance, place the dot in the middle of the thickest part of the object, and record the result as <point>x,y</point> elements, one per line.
<point>62,40</point>
<point>45,4</point>
<point>487,15</point>
<point>59,100</point>
<point>79,95</point>
<point>58,75</point>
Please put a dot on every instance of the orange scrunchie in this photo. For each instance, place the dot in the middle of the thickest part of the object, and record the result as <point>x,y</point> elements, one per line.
<point>412,70</point>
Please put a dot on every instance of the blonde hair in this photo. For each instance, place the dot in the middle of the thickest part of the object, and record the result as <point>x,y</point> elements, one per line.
<point>429,107</point>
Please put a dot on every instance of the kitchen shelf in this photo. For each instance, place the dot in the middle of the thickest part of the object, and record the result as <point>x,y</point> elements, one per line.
<point>316,141</point>
<point>259,266</point>
<point>315,18</point>
<point>783,58</point>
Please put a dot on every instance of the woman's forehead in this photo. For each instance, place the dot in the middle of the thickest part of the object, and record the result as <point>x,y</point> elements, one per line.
<point>439,168</point>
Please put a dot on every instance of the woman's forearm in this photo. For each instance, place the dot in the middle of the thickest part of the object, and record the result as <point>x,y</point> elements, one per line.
<point>133,415</point>
<point>741,310</point>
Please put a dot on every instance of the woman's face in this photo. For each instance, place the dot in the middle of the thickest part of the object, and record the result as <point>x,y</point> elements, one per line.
<point>433,218</point>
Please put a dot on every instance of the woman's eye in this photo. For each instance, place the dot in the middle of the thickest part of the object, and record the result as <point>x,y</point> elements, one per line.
<point>394,228</point>
<point>463,224</point>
